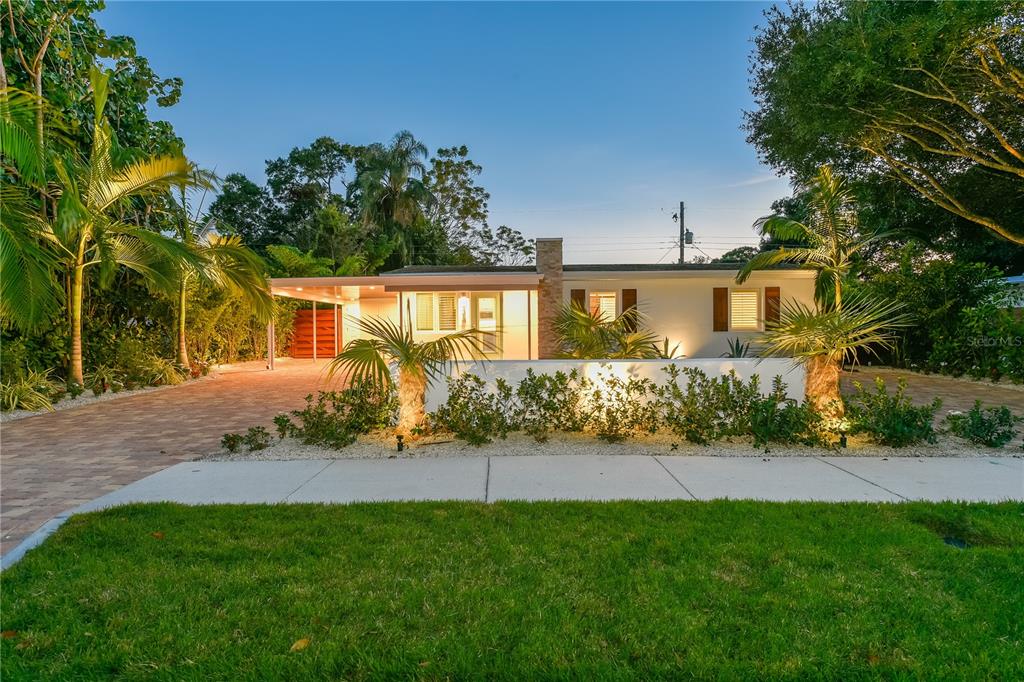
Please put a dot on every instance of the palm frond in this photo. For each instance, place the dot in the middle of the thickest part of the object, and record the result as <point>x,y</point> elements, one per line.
<point>863,324</point>
<point>781,228</point>
<point>29,292</point>
<point>234,266</point>
<point>768,259</point>
<point>146,175</point>
<point>369,358</point>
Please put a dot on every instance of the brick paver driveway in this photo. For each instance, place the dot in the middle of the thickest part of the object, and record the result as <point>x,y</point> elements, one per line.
<point>53,462</point>
<point>955,394</point>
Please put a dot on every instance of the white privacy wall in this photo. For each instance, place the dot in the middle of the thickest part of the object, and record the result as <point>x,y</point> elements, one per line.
<point>514,371</point>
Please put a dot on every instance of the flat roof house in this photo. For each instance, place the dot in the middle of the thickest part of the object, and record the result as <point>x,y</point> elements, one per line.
<point>697,307</point>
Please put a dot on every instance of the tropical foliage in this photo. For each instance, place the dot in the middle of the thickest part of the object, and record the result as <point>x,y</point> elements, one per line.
<point>824,340</point>
<point>418,363</point>
<point>923,94</point>
<point>588,334</point>
<point>829,238</point>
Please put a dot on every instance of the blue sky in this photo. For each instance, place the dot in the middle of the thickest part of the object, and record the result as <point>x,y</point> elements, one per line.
<point>592,121</point>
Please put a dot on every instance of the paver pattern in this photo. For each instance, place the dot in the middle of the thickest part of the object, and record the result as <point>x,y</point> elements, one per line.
<point>53,462</point>
<point>956,394</point>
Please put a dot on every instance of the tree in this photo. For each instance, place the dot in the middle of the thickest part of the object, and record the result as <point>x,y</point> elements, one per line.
<point>418,363</point>
<point>460,206</point>
<point>49,48</point>
<point>245,209</point>
<point>830,233</point>
<point>86,234</point>
<point>741,254</point>
<point>460,212</point>
<point>928,93</point>
<point>302,184</point>
<point>223,261</point>
<point>392,194</point>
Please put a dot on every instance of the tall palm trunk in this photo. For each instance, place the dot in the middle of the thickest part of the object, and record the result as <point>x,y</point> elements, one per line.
<point>822,389</point>
<point>77,375</point>
<point>182,301</point>
<point>412,389</point>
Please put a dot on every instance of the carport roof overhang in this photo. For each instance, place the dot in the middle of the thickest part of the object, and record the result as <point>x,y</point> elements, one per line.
<point>342,289</point>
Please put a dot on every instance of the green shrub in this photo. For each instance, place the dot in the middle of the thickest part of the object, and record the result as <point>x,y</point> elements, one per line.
<point>777,419</point>
<point>256,438</point>
<point>551,402</point>
<point>620,407</point>
<point>336,418</point>
<point>475,414</point>
<point>104,378</point>
<point>232,441</point>
<point>891,419</point>
<point>33,391</point>
<point>75,389</point>
<point>993,427</point>
<point>707,409</point>
<point>284,426</point>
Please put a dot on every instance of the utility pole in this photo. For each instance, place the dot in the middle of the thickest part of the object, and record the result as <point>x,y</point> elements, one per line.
<point>682,232</point>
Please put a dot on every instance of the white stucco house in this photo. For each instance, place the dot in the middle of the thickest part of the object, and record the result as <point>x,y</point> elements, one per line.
<point>697,307</point>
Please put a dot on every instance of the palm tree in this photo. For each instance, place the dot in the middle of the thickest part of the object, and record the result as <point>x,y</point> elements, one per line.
<point>221,260</point>
<point>824,340</point>
<point>830,235</point>
<point>29,291</point>
<point>85,234</point>
<point>584,334</point>
<point>392,194</point>
<point>418,363</point>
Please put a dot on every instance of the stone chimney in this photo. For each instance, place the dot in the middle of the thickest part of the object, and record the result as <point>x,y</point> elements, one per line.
<point>549,294</point>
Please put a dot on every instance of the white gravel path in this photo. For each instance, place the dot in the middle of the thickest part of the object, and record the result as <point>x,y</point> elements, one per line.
<point>377,447</point>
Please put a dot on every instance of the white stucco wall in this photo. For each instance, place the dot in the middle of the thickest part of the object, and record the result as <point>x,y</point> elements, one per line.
<point>514,371</point>
<point>680,306</point>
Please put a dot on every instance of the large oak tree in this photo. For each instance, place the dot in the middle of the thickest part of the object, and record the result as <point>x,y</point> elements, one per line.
<point>929,94</point>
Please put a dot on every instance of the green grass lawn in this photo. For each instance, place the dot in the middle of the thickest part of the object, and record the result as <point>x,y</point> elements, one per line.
<point>727,590</point>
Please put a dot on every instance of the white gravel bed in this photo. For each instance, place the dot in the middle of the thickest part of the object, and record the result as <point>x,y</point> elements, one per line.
<point>89,398</point>
<point>375,446</point>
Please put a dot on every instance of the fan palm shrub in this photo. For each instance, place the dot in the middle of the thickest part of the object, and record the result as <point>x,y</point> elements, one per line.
<point>585,334</point>
<point>824,340</point>
<point>418,363</point>
<point>830,236</point>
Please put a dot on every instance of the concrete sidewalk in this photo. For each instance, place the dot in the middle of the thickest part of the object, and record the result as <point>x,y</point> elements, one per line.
<point>571,477</point>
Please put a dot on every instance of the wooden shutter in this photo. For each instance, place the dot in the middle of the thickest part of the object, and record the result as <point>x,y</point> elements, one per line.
<point>629,303</point>
<point>772,303</point>
<point>578,297</point>
<point>721,309</point>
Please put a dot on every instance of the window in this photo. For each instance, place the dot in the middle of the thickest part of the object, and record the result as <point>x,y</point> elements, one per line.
<point>743,312</point>
<point>446,312</point>
<point>603,303</point>
<point>425,312</point>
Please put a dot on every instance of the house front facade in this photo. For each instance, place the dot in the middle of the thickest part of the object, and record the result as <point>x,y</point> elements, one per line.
<point>698,309</point>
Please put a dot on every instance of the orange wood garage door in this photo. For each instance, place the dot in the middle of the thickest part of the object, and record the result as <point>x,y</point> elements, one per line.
<point>327,343</point>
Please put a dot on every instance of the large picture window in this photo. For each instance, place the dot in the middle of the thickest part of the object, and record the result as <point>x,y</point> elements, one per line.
<point>436,312</point>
